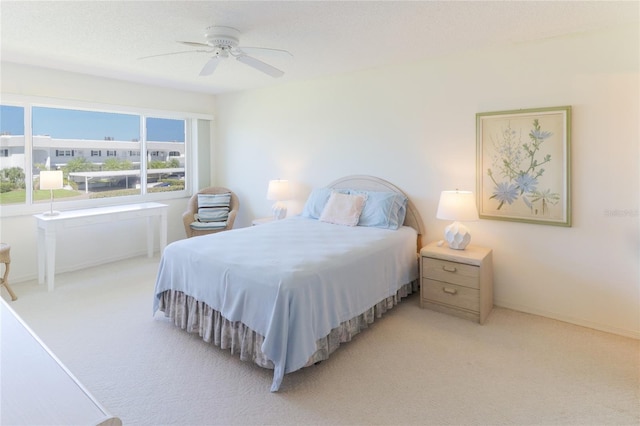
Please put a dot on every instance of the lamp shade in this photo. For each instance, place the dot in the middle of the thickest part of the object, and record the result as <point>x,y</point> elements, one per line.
<point>278,190</point>
<point>51,179</point>
<point>458,206</point>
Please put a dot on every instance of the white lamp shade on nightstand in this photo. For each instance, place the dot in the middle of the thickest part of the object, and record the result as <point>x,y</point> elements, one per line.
<point>459,206</point>
<point>279,191</point>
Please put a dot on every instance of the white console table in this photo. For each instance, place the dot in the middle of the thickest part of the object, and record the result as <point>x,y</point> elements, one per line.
<point>49,226</point>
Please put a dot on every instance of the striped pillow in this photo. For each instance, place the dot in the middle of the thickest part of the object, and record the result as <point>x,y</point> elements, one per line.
<point>212,214</point>
<point>200,226</point>
<point>214,200</point>
<point>213,211</point>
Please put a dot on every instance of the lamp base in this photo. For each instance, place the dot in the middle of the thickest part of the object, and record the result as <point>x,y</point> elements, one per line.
<point>457,236</point>
<point>51,211</point>
<point>279,210</point>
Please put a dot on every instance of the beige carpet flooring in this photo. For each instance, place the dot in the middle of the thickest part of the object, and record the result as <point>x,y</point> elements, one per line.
<point>412,367</point>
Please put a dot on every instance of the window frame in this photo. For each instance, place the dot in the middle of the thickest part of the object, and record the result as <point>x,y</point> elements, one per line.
<point>191,147</point>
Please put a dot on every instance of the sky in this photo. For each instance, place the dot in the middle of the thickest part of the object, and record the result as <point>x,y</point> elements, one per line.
<point>77,124</point>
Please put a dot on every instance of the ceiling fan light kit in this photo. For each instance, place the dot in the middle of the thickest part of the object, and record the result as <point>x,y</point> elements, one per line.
<point>218,36</point>
<point>223,42</point>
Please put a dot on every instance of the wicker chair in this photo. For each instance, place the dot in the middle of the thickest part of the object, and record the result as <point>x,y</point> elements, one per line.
<point>188,217</point>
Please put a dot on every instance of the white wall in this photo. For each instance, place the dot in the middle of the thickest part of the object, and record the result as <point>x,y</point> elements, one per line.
<point>86,246</point>
<point>414,125</point>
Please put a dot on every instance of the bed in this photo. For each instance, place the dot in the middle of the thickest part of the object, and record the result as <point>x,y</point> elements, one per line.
<point>287,293</point>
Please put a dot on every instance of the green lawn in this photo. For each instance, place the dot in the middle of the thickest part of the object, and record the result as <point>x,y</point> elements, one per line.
<point>19,195</point>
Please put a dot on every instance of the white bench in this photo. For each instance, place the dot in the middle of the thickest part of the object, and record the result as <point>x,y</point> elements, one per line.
<point>35,387</point>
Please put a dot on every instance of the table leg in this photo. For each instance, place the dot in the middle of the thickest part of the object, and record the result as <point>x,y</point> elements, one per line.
<point>150,236</point>
<point>41,255</point>
<point>50,242</point>
<point>163,230</point>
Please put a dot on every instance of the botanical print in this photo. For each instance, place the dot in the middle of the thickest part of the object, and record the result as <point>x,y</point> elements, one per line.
<point>522,166</point>
<point>520,170</point>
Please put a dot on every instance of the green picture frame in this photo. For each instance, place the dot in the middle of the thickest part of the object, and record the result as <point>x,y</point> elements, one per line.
<point>524,165</point>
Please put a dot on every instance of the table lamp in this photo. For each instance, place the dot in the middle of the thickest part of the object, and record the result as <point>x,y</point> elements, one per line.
<point>278,191</point>
<point>457,206</point>
<point>51,179</point>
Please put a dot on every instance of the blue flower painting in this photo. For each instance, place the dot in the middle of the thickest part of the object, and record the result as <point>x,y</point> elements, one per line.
<point>519,169</point>
<point>522,174</point>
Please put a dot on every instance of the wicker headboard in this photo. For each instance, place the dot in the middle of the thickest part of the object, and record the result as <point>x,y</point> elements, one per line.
<point>371,183</point>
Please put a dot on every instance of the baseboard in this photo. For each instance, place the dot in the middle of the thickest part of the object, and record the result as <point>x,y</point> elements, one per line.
<point>79,266</point>
<point>634,334</point>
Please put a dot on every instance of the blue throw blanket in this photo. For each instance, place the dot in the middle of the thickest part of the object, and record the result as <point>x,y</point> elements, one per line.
<point>292,280</point>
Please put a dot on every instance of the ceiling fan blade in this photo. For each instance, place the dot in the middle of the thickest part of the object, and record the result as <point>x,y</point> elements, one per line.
<point>260,66</point>
<point>269,49</point>
<point>210,66</point>
<point>176,53</point>
<point>194,43</point>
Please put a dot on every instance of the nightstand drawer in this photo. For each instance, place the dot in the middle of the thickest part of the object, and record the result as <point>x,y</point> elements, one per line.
<point>451,272</point>
<point>450,294</point>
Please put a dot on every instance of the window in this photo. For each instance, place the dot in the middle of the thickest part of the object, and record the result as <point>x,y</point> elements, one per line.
<point>63,153</point>
<point>165,137</point>
<point>75,130</point>
<point>88,144</point>
<point>12,161</point>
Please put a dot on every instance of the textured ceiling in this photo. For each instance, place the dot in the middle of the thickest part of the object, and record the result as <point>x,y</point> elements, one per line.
<point>106,38</point>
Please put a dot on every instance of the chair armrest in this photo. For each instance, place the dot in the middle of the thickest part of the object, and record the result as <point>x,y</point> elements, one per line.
<point>231,218</point>
<point>187,219</point>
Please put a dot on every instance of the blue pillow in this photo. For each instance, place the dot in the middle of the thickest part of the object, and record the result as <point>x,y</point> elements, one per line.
<point>385,210</point>
<point>316,202</point>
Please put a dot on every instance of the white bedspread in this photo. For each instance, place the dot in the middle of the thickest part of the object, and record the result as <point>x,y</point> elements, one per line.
<point>292,280</point>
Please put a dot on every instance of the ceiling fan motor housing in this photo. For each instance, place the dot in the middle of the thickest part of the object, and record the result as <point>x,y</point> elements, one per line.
<point>224,37</point>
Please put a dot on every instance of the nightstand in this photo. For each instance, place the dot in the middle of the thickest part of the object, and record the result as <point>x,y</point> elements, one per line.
<point>261,221</point>
<point>457,282</point>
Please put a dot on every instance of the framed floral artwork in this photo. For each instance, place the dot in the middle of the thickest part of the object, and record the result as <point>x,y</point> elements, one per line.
<point>523,165</point>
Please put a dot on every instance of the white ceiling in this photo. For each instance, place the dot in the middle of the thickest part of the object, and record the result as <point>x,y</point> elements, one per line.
<point>106,38</point>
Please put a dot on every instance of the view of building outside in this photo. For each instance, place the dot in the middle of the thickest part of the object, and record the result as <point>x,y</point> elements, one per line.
<point>12,155</point>
<point>101,154</point>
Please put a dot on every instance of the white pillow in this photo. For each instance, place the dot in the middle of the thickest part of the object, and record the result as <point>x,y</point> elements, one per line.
<point>343,209</point>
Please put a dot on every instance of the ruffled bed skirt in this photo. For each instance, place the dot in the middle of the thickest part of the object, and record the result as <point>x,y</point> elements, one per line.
<point>195,316</point>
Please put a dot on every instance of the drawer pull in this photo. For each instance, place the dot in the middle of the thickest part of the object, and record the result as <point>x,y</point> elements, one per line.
<point>449,290</point>
<point>449,268</point>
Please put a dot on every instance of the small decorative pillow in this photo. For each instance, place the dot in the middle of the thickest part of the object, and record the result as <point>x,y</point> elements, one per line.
<point>343,209</point>
<point>214,200</point>
<point>213,209</point>
<point>206,226</point>
<point>212,214</point>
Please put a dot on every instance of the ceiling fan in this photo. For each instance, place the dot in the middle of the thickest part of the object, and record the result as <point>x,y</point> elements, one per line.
<point>223,42</point>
